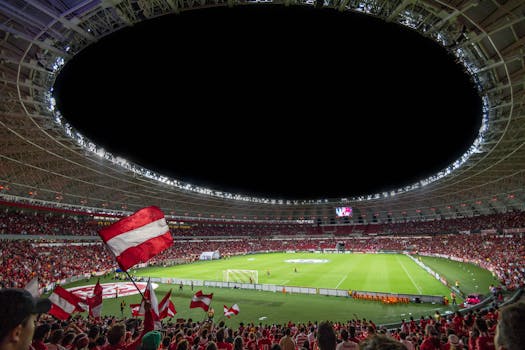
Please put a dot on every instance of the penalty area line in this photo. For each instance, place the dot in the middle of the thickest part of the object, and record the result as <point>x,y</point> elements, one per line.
<point>341,281</point>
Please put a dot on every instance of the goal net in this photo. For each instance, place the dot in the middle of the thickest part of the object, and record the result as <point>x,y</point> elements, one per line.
<point>241,276</point>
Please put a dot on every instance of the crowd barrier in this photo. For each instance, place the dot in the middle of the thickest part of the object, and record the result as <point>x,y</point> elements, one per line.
<point>388,298</point>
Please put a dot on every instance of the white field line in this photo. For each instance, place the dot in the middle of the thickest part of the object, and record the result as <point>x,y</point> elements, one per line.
<point>283,283</point>
<point>410,277</point>
<point>341,281</point>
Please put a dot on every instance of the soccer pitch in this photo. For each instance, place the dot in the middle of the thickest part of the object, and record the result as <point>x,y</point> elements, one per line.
<point>390,273</point>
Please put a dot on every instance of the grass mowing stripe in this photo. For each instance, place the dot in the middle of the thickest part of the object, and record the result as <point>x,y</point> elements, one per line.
<point>410,277</point>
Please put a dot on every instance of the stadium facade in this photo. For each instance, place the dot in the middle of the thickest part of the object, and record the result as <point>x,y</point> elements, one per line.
<point>44,161</point>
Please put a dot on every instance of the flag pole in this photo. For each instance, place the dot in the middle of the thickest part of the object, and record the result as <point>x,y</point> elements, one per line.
<point>134,284</point>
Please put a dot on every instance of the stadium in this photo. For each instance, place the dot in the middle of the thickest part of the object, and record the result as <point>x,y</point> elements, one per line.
<point>384,257</point>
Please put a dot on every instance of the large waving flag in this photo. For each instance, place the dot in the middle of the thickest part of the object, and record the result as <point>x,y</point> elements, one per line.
<point>229,312</point>
<point>201,300</point>
<point>64,303</point>
<point>166,307</point>
<point>95,302</point>
<point>138,237</point>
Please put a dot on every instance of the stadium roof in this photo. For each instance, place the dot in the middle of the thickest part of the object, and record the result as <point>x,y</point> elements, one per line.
<point>44,160</point>
<point>361,106</point>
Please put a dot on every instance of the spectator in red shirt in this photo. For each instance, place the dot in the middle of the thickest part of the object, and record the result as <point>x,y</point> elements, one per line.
<point>264,343</point>
<point>431,340</point>
<point>485,341</point>
<point>221,344</point>
<point>117,333</point>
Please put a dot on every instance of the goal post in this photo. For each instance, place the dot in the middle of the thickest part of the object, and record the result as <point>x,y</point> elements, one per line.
<point>240,276</point>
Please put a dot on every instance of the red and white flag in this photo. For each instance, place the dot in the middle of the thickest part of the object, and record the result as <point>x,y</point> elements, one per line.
<point>166,307</point>
<point>138,237</point>
<point>229,312</point>
<point>64,303</point>
<point>95,302</point>
<point>135,310</point>
<point>149,294</point>
<point>201,300</point>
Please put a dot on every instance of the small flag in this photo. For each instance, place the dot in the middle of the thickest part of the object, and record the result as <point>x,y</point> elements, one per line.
<point>166,307</point>
<point>149,294</point>
<point>64,303</point>
<point>229,312</point>
<point>135,310</point>
<point>201,300</point>
<point>138,237</point>
<point>171,309</point>
<point>95,302</point>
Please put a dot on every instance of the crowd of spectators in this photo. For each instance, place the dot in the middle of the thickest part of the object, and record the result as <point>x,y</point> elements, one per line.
<point>489,329</point>
<point>21,259</point>
<point>46,224</point>
<point>503,255</point>
<point>52,223</point>
<point>57,260</point>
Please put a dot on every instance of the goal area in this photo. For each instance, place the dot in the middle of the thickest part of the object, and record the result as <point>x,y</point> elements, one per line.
<point>240,276</point>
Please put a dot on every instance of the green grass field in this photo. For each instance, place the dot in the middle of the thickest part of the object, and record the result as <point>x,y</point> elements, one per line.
<point>393,273</point>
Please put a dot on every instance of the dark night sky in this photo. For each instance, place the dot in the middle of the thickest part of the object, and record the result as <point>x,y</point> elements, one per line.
<point>284,102</point>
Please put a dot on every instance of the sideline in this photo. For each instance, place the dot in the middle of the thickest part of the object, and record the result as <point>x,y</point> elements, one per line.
<point>410,277</point>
